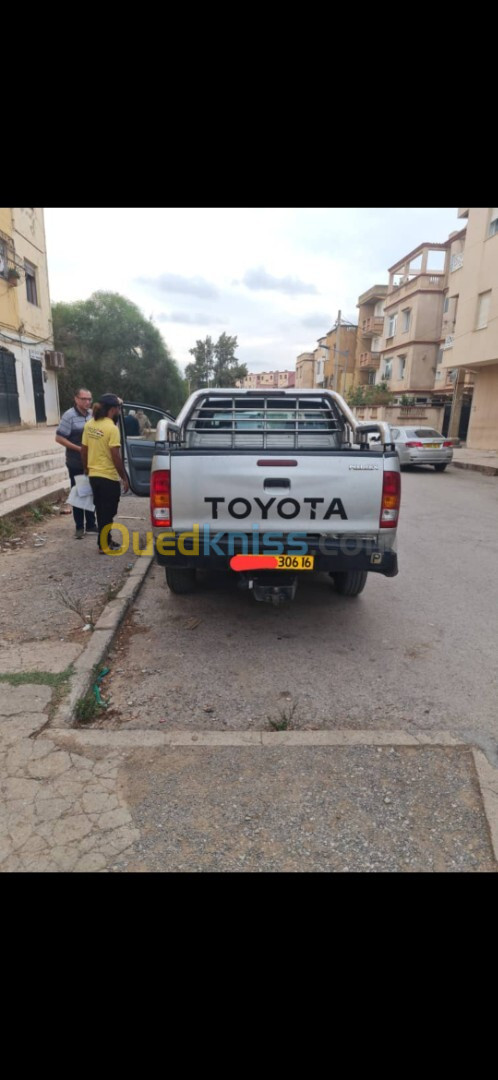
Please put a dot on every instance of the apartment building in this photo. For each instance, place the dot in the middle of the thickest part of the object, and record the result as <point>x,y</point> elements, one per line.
<point>369,338</point>
<point>340,346</point>
<point>320,355</point>
<point>471,341</point>
<point>413,313</point>
<point>28,381</point>
<point>275,379</point>
<point>305,371</point>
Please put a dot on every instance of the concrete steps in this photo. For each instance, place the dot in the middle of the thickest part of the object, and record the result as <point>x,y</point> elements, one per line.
<point>27,479</point>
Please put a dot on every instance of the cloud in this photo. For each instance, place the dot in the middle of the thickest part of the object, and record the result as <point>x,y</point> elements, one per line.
<point>318,319</point>
<point>174,283</point>
<point>261,279</point>
<point>192,320</point>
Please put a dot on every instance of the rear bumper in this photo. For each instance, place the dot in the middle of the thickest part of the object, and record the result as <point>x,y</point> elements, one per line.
<point>418,457</point>
<point>331,555</point>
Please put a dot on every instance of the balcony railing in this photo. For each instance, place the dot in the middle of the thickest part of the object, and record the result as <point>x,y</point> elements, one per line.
<point>372,326</point>
<point>419,281</point>
<point>448,344</point>
<point>369,359</point>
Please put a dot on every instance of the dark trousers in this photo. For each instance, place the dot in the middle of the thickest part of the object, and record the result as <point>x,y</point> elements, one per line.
<point>79,515</point>
<point>106,498</point>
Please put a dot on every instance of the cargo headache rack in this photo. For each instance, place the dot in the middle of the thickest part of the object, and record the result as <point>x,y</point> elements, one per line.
<point>269,420</point>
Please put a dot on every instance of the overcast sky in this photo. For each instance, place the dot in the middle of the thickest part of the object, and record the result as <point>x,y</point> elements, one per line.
<point>275,278</point>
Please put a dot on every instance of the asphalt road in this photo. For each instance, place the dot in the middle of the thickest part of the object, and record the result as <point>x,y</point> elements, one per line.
<point>416,652</point>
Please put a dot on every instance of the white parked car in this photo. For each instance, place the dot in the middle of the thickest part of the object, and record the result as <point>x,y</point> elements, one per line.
<point>422,446</point>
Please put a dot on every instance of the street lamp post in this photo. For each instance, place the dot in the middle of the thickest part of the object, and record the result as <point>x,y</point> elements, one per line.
<point>338,353</point>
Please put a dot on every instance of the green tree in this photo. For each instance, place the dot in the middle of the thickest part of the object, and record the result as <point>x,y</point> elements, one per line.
<point>200,372</point>
<point>227,369</point>
<point>214,364</point>
<point>110,346</point>
<point>370,395</point>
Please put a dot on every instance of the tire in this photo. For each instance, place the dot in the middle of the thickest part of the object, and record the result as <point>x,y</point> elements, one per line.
<point>440,468</point>
<point>350,582</point>
<point>180,581</point>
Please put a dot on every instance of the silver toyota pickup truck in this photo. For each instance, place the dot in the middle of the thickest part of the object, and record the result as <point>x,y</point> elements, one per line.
<point>269,485</point>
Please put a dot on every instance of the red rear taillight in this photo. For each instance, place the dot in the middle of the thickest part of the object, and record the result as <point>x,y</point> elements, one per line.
<point>391,498</point>
<point>448,443</point>
<point>160,497</point>
<point>414,444</point>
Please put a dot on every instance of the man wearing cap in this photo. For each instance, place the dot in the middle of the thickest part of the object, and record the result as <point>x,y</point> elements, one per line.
<point>101,459</point>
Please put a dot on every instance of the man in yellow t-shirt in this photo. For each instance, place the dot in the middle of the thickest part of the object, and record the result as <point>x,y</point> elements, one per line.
<point>102,461</point>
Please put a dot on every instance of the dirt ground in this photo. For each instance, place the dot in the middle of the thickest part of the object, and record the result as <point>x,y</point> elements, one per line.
<point>44,570</point>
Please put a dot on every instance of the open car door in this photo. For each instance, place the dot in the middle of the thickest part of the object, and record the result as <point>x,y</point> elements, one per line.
<point>138,440</point>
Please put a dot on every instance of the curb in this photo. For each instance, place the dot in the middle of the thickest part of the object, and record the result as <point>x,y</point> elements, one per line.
<point>50,494</point>
<point>488,470</point>
<point>134,739</point>
<point>105,629</point>
<point>487,776</point>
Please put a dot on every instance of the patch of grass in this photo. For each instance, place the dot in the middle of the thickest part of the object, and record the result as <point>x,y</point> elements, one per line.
<point>40,678</point>
<point>7,528</point>
<point>40,511</point>
<point>284,719</point>
<point>86,708</point>
<point>12,524</point>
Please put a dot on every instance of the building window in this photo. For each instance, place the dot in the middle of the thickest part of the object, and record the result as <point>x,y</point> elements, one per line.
<point>388,369</point>
<point>456,261</point>
<point>402,365</point>
<point>31,292</point>
<point>483,309</point>
<point>371,378</point>
<point>406,319</point>
<point>493,222</point>
<point>391,327</point>
<point>446,305</point>
<point>439,357</point>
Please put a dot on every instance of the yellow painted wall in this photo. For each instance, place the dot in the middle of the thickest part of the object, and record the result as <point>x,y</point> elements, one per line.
<point>9,311</point>
<point>29,237</point>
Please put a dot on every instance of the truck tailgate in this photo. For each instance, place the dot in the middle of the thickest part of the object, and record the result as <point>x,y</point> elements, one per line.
<point>329,492</point>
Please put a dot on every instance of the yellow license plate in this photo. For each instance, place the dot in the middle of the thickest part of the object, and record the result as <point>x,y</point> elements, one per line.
<point>295,562</point>
<point>432,446</point>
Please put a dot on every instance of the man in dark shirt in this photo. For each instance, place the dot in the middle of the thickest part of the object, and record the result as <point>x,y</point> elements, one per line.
<point>69,434</point>
<point>131,424</point>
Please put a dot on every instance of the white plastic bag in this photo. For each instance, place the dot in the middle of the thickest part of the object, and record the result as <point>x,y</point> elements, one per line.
<point>83,485</point>
<point>81,494</point>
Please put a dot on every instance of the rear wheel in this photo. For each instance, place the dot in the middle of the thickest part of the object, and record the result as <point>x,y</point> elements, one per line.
<point>350,583</point>
<point>180,581</point>
<point>440,468</point>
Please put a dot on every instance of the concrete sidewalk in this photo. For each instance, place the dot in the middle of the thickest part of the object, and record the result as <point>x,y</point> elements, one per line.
<point>484,461</point>
<point>15,445</point>
<point>258,802</point>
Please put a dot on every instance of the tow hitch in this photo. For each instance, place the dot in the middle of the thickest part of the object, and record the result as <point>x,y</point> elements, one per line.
<point>269,588</point>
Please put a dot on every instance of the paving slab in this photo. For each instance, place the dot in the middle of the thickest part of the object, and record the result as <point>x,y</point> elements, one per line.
<point>38,656</point>
<point>305,809</point>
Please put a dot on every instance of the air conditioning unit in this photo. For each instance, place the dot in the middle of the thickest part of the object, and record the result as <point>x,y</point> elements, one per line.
<point>54,360</point>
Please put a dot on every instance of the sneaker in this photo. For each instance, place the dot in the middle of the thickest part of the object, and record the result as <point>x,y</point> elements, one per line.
<point>92,529</point>
<point>111,546</point>
<point>79,534</point>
